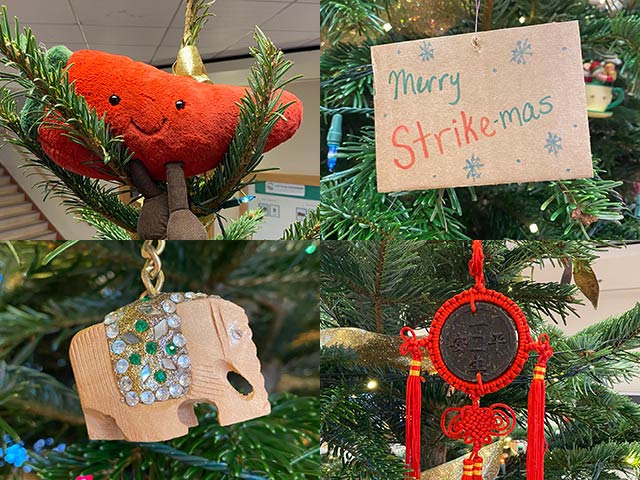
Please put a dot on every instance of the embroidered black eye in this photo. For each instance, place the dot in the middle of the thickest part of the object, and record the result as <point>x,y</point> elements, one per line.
<point>180,104</point>
<point>114,100</point>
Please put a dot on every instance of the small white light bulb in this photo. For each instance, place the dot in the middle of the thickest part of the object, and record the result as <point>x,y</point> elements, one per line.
<point>372,384</point>
<point>533,228</point>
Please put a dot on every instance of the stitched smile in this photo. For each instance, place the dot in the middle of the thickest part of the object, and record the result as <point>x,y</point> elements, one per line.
<point>150,132</point>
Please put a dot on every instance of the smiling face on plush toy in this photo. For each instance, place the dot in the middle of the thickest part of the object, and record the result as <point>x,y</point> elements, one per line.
<point>162,117</point>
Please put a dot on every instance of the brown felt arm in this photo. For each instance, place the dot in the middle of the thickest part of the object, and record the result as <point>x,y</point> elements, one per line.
<point>152,223</point>
<point>176,187</point>
<point>142,180</point>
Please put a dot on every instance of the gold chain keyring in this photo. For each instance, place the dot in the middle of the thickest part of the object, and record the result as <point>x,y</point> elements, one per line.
<point>152,270</point>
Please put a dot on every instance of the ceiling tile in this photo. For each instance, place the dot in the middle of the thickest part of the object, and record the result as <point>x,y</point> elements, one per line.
<point>230,32</point>
<point>146,13</point>
<point>74,47</point>
<point>40,11</point>
<point>145,36</point>
<point>241,14</point>
<point>52,35</point>
<point>313,43</point>
<point>140,53</point>
<point>211,39</point>
<point>298,16</point>
<point>165,56</point>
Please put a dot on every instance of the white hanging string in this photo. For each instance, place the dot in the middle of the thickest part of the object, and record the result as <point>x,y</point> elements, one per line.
<point>475,41</point>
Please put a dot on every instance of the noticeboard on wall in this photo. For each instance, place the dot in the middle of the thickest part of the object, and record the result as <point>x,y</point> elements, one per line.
<point>285,199</point>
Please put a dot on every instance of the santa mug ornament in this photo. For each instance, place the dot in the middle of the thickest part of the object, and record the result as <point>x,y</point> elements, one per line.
<point>140,372</point>
<point>479,341</point>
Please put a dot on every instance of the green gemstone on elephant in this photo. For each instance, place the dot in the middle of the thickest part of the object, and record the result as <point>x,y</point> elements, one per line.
<point>134,359</point>
<point>171,348</point>
<point>145,298</point>
<point>151,348</point>
<point>160,376</point>
<point>141,326</point>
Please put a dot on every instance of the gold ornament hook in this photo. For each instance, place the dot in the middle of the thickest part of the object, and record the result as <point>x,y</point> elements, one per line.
<point>152,270</point>
<point>189,62</point>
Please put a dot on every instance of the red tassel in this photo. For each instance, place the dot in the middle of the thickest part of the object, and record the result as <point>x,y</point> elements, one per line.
<point>413,418</point>
<point>467,472</point>
<point>536,443</point>
<point>478,463</point>
<point>413,346</point>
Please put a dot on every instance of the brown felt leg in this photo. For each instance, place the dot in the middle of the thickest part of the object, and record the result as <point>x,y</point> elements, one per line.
<point>152,222</point>
<point>183,224</point>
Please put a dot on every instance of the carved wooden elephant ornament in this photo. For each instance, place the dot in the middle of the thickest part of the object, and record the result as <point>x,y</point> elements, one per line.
<point>140,372</point>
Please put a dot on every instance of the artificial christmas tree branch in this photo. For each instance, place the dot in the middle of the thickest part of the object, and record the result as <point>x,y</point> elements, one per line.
<point>307,229</point>
<point>356,442</point>
<point>39,393</point>
<point>251,450</point>
<point>259,111</point>
<point>78,193</point>
<point>195,19</point>
<point>244,227</point>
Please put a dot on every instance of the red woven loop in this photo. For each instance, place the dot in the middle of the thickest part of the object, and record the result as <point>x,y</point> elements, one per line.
<point>480,386</point>
<point>543,348</point>
<point>408,333</point>
<point>477,425</point>
<point>525,343</point>
<point>476,265</point>
<point>472,299</point>
<point>412,344</point>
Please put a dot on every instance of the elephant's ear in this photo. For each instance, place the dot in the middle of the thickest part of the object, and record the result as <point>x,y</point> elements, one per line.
<point>32,110</point>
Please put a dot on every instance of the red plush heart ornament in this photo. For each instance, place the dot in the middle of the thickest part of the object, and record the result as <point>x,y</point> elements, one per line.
<point>163,118</point>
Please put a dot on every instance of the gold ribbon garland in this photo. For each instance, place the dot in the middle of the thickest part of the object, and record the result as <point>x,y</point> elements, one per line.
<point>453,470</point>
<point>374,349</point>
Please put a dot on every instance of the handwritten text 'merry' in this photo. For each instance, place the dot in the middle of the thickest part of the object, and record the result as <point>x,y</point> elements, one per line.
<point>407,83</point>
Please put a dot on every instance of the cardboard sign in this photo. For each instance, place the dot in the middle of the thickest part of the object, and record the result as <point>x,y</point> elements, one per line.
<point>481,108</point>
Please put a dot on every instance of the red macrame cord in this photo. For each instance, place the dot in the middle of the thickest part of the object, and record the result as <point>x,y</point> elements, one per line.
<point>473,424</point>
<point>476,269</point>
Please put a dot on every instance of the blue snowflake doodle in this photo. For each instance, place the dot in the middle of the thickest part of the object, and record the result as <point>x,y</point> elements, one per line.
<point>427,52</point>
<point>473,167</point>
<point>554,144</point>
<point>522,50</point>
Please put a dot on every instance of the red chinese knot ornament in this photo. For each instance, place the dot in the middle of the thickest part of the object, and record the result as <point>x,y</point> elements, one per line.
<point>479,341</point>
